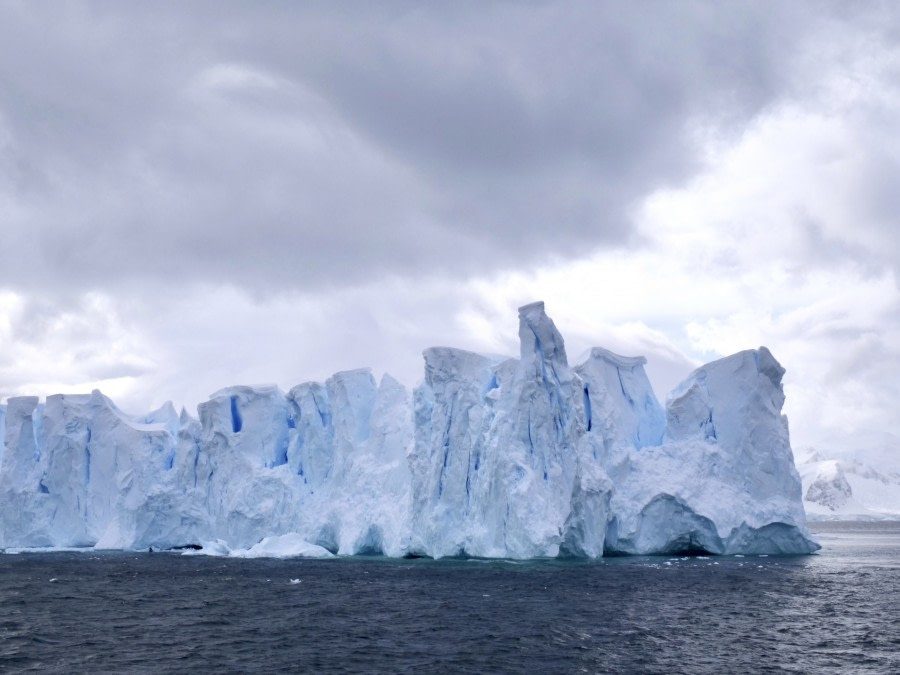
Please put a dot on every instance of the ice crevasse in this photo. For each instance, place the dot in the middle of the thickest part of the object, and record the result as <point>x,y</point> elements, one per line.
<point>518,458</point>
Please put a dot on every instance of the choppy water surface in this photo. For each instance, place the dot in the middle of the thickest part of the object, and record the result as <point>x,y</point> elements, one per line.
<point>832,612</point>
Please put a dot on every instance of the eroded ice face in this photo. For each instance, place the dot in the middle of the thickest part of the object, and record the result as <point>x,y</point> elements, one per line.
<point>514,458</point>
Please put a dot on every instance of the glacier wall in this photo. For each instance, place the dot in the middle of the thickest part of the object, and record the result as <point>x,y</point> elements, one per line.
<point>517,458</point>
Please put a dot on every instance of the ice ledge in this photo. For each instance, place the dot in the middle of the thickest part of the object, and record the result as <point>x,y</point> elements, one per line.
<point>615,359</point>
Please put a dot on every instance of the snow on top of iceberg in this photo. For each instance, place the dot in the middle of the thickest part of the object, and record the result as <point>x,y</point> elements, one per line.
<point>613,358</point>
<point>246,390</point>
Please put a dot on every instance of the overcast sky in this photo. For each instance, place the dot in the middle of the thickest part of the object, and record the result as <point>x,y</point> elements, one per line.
<point>194,195</point>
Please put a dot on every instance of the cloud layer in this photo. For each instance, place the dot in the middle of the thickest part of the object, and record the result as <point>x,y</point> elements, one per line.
<point>304,146</point>
<point>193,196</point>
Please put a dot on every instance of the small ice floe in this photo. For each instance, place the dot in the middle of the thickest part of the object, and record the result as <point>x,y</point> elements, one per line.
<point>295,581</point>
<point>290,545</point>
<point>485,595</point>
<point>763,555</point>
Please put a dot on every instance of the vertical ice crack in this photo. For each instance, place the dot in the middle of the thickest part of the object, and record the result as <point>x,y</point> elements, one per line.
<point>236,422</point>
<point>587,407</point>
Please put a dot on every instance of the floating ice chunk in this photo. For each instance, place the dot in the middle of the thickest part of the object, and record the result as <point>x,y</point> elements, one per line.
<point>290,545</point>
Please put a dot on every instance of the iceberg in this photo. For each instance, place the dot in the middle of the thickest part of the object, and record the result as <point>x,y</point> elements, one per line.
<point>488,457</point>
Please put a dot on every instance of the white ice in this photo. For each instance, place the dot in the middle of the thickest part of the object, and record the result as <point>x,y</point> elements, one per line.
<point>495,458</point>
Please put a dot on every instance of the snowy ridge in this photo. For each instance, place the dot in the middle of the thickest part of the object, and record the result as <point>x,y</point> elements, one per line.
<point>515,458</point>
<point>860,482</point>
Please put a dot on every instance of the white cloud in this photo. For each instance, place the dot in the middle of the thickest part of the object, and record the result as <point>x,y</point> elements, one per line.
<point>51,348</point>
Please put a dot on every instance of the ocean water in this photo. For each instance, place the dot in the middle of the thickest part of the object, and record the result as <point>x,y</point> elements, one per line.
<point>834,612</point>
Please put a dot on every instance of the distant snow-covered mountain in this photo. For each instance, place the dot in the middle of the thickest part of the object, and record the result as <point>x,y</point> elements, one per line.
<point>859,482</point>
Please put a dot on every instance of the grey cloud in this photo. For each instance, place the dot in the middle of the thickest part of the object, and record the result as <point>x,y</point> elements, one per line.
<point>880,203</point>
<point>406,138</point>
<point>110,371</point>
<point>822,248</point>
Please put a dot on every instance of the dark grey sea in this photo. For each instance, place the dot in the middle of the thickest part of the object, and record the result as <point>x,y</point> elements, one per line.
<point>834,612</point>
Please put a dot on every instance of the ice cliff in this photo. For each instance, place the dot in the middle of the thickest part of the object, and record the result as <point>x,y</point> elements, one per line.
<point>518,458</point>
